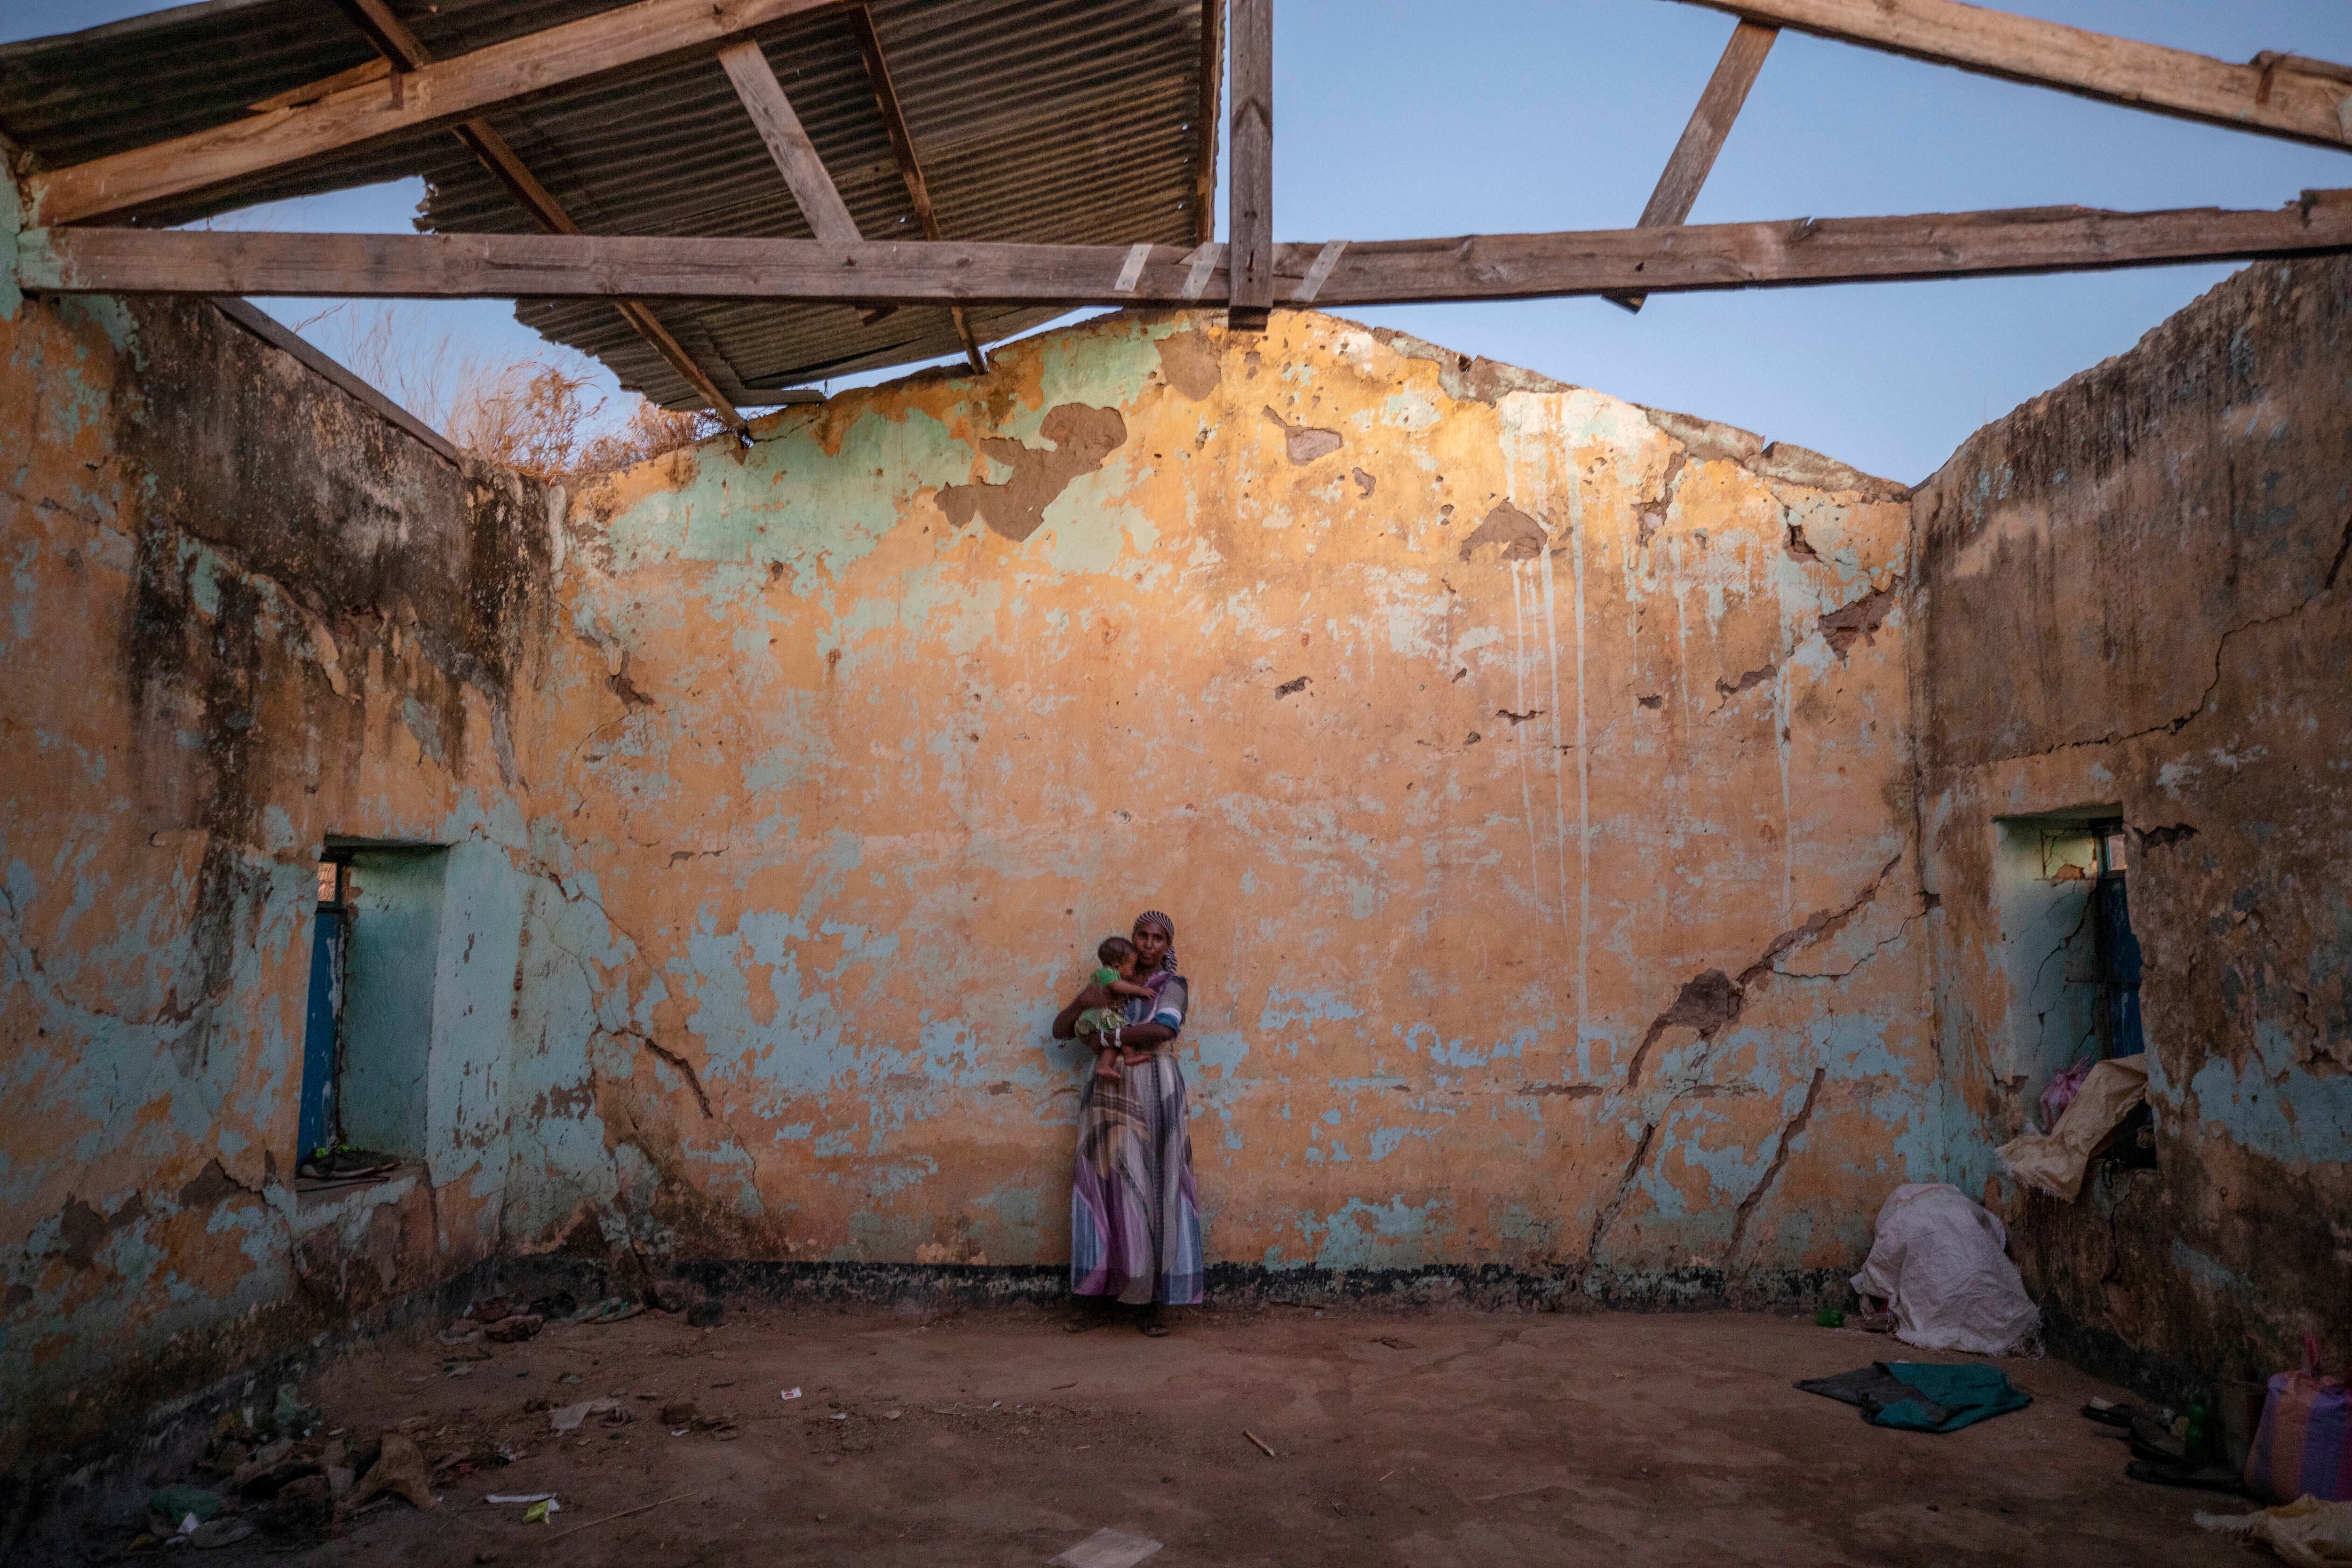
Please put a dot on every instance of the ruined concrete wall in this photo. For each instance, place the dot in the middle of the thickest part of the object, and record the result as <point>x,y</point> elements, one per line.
<point>2134,591</point>
<point>242,613</point>
<point>1528,775</point>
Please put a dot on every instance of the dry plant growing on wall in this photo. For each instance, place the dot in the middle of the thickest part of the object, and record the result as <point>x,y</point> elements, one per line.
<point>543,420</point>
<point>422,372</point>
<point>541,417</point>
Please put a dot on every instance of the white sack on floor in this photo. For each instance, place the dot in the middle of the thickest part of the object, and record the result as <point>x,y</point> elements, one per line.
<point>2055,1164</point>
<point>1939,1260</point>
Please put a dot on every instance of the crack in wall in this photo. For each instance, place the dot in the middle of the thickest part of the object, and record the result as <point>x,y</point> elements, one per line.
<point>1875,949</point>
<point>1711,1001</point>
<point>1610,1211</point>
<point>2179,723</point>
<point>1797,1125</point>
<point>686,1069</point>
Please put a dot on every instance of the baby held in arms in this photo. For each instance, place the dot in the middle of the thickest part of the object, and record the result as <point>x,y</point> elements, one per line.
<point>1098,1027</point>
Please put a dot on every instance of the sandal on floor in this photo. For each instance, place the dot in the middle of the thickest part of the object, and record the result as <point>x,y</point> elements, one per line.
<point>1153,1326</point>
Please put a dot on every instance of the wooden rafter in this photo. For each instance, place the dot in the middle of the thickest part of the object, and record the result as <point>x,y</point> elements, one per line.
<point>403,50</point>
<point>795,156</point>
<point>1694,157</point>
<point>1249,206</point>
<point>910,167</point>
<point>1205,124</point>
<point>441,93</point>
<point>1375,272</point>
<point>2275,95</point>
<point>779,128</point>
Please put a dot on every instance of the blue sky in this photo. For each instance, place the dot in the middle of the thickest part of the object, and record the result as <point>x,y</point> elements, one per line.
<point>1395,120</point>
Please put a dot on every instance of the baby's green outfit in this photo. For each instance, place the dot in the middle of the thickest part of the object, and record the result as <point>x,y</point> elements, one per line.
<point>1105,1021</point>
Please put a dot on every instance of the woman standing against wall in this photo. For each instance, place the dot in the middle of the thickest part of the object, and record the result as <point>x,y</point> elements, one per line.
<point>1134,1218</point>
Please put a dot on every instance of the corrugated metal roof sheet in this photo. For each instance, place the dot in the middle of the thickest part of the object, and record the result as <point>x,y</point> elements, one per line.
<point>1043,120</point>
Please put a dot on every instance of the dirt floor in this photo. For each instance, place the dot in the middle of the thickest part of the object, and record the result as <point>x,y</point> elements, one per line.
<point>1422,1437</point>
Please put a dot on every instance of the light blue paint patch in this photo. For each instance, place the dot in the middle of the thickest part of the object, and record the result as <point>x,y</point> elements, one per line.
<point>1424,1039</point>
<point>1222,1049</point>
<point>790,501</point>
<point>1515,1224</point>
<point>1103,364</point>
<point>1385,1140</point>
<point>1392,1235</point>
<point>2275,1105</point>
<point>1284,1009</point>
<point>109,315</point>
<point>2205,1272</point>
<point>1086,530</point>
<point>795,1132</point>
<point>12,224</point>
<point>1019,1237</point>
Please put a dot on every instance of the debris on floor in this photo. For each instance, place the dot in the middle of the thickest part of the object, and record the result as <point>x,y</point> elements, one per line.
<point>2307,1533</point>
<point>570,1416</point>
<point>610,1309</point>
<point>399,1470</point>
<point>1109,1549</point>
<point>1923,1397</point>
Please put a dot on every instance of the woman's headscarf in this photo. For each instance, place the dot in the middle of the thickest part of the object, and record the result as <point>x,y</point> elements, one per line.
<point>1154,918</point>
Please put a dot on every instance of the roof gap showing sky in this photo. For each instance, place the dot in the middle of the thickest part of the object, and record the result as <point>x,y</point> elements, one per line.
<point>1395,120</point>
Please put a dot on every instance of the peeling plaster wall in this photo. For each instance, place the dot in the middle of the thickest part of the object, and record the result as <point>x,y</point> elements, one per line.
<point>2134,589</point>
<point>1528,775</point>
<point>242,613</point>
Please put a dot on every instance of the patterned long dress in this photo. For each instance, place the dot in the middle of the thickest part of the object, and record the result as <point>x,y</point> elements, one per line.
<point>1134,1215</point>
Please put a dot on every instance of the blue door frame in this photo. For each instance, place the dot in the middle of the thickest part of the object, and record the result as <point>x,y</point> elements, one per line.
<point>319,1032</point>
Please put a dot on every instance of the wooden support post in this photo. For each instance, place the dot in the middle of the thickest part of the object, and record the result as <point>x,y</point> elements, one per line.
<point>1249,205</point>
<point>1693,256</point>
<point>2272,95</point>
<point>398,45</point>
<point>1213,75</point>
<point>910,167</point>
<point>1710,122</point>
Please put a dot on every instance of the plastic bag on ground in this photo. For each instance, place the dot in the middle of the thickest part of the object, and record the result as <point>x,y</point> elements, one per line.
<point>2306,1532</point>
<point>1941,1263</point>
<point>2054,1163</point>
<point>2061,1093</point>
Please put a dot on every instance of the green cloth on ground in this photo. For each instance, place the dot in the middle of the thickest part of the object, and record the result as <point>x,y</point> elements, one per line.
<point>1923,1397</point>
<point>1968,1393</point>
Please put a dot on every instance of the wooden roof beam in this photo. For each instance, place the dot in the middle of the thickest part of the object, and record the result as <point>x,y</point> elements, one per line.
<point>2275,95</point>
<point>1691,257</point>
<point>429,95</point>
<point>910,167</point>
<point>1694,157</point>
<point>394,41</point>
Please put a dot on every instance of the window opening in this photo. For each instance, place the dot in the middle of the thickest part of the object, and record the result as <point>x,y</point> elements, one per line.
<point>368,1030</point>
